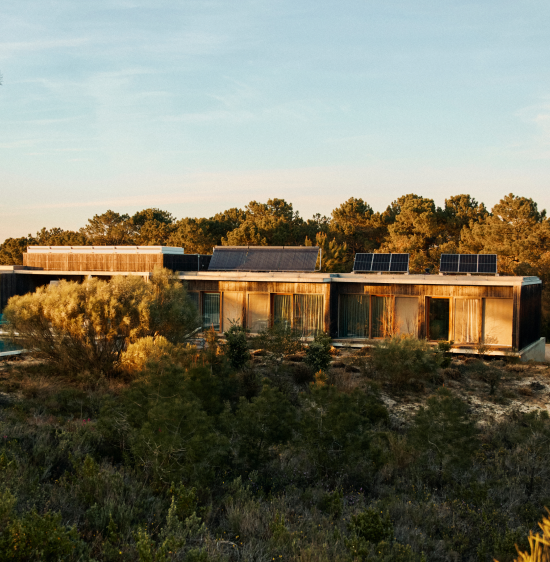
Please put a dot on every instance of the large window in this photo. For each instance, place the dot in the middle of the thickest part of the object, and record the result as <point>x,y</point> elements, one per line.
<point>353,316</point>
<point>211,311</point>
<point>382,317</point>
<point>308,314</point>
<point>498,317</point>
<point>406,315</point>
<point>438,319</point>
<point>282,310</point>
<point>304,313</point>
<point>258,312</point>
<point>232,309</point>
<point>467,316</point>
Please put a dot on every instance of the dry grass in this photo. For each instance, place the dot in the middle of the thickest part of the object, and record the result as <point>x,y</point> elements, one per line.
<point>34,379</point>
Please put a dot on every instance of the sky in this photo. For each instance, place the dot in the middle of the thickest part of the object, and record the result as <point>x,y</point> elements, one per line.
<point>195,107</point>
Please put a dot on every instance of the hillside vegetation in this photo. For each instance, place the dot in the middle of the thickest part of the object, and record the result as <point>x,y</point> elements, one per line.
<point>259,449</point>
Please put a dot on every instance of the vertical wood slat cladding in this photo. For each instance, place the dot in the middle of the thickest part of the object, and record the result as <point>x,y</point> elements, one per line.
<point>268,287</point>
<point>426,290</point>
<point>529,321</point>
<point>95,262</point>
<point>515,318</point>
<point>331,291</point>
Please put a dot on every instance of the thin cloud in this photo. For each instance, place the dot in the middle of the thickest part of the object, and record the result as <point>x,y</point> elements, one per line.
<point>16,46</point>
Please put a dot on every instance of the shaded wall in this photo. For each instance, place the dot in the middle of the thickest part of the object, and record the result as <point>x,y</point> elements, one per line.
<point>7,288</point>
<point>530,314</point>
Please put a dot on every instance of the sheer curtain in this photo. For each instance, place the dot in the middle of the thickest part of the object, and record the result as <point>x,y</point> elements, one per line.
<point>353,312</point>
<point>308,314</point>
<point>211,310</point>
<point>466,320</point>
<point>382,317</point>
<point>282,310</point>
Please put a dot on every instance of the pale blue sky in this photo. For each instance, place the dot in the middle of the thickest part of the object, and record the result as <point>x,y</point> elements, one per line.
<point>199,106</point>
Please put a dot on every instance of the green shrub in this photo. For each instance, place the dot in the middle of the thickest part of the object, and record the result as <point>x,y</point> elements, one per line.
<point>445,429</point>
<point>372,525</point>
<point>486,373</point>
<point>318,355</point>
<point>138,354</point>
<point>166,429</point>
<point>302,374</point>
<point>236,349</point>
<point>267,420</point>
<point>278,341</point>
<point>401,359</point>
<point>331,502</point>
<point>86,326</point>
<point>336,430</point>
<point>34,536</point>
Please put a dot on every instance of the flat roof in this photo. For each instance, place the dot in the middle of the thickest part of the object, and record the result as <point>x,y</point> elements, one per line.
<point>104,250</point>
<point>58,273</point>
<point>299,277</point>
<point>371,278</point>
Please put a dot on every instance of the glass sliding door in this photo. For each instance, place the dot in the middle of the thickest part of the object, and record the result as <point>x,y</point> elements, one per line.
<point>258,312</point>
<point>211,311</point>
<point>353,316</point>
<point>406,316</point>
<point>467,320</point>
<point>233,309</point>
<point>498,316</point>
<point>282,310</point>
<point>438,319</point>
<point>382,317</point>
<point>308,314</point>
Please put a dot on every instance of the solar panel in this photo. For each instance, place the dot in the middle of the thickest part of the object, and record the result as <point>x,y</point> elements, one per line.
<point>468,263</point>
<point>449,263</point>
<point>264,258</point>
<point>363,262</point>
<point>487,263</point>
<point>261,259</point>
<point>399,263</point>
<point>381,262</point>
<point>227,260</point>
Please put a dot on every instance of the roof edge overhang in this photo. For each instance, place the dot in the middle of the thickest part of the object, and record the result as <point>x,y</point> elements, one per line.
<point>376,279</point>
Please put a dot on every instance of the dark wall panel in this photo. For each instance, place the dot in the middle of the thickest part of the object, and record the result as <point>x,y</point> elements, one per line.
<point>529,315</point>
<point>7,288</point>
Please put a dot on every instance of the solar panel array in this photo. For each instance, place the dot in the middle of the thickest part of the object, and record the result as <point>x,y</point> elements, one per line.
<point>396,263</point>
<point>468,263</point>
<point>262,258</point>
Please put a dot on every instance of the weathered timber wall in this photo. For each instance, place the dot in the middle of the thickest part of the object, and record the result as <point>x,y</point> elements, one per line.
<point>478,291</point>
<point>270,287</point>
<point>96,262</point>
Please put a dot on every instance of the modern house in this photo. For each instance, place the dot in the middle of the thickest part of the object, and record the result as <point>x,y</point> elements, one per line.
<point>259,287</point>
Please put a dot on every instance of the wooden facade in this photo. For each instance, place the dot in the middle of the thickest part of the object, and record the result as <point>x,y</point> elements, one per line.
<point>94,262</point>
<point>505,312</point>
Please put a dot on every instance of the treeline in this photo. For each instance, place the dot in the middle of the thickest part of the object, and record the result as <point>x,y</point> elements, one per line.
<point>514,229</point>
